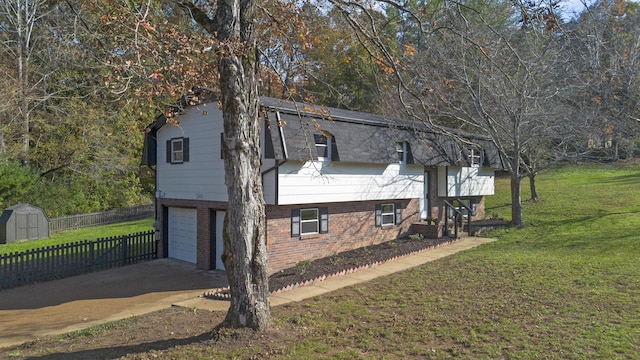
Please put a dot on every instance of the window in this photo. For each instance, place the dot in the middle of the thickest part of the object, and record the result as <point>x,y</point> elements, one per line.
<point>309,221</point>
<point>401,149</point>
<point>323,146</point>
<point>476,157</point>
<point>178,150</point>
<point>388,214</point>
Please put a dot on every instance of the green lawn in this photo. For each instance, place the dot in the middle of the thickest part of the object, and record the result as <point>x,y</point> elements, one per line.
<point>566,286</point>
<point>89,233</point>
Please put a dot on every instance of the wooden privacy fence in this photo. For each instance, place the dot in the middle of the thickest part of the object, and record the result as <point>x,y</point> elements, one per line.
<point>60,261</point>
<point>100,218</point>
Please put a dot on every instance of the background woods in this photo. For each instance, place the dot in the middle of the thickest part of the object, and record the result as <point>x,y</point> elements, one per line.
<point>80,80</point>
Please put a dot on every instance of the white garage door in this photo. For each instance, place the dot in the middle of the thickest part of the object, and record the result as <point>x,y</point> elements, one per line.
<point>183,235</point>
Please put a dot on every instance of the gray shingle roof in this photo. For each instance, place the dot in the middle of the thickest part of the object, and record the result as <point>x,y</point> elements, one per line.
<point>363,137</point>
<point>357,136</point>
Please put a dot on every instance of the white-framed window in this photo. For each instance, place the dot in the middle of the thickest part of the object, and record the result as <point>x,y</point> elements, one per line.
<point>476,157</point>
<point>401,150</point>
<point>388,215</point>
<point>178,150</point>
<point>323,146</point>
<point>309,221</point>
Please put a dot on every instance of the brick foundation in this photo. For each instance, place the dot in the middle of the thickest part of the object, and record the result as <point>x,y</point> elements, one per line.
<point>350,225</point>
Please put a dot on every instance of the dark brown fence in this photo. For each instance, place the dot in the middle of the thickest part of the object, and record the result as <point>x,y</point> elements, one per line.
<point>60,261</point>
<point>100,218</point>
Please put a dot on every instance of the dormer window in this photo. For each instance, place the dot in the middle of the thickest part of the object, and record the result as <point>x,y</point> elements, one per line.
<point>476,157</point>
<point>401,150</point>
<point>323,146</point>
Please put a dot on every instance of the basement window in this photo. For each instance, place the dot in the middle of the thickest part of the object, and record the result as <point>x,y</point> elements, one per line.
<point>309,221</point>
<point>388,214</point>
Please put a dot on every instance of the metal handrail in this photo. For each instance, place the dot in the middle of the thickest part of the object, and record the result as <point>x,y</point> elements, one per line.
<point>458,215</point>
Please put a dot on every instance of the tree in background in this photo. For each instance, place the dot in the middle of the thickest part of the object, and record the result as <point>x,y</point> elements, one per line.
<point>54,118</point>
<point>604,103</point>
<point>96,75</point>
<point>489,68</point>
<point>338,70</point>
<point>22,32</point>
<point>15,181</point>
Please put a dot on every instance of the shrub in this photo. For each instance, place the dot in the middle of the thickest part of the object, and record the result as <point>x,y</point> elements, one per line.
<point>15,181</point>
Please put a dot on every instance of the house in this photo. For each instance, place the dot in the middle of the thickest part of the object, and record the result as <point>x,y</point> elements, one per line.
<point>333,179</point>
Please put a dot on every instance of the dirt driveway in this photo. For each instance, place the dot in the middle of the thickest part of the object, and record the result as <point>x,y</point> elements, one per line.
<point>83,301</point>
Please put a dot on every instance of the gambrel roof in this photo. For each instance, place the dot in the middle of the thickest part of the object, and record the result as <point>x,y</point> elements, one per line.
<point>364,137</point>
<point>356,136</point>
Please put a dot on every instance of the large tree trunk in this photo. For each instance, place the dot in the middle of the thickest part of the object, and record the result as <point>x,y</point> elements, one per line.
<point>245,255</point>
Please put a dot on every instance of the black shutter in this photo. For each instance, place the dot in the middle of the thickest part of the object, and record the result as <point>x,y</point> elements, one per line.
<point>168,151</point>
<point>295,222</point>
<point>398,209</point>
<point>150,150</point>
<point>324,220</point>
<point>378,215</point>
<point>221,146</point>
<point>185,149</point>
<point>334,150</point>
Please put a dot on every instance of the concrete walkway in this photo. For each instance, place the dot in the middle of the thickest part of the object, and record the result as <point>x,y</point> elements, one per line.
<point>76,303</point>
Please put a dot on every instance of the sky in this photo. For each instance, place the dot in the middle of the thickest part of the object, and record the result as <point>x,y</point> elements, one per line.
<point>571,8</point>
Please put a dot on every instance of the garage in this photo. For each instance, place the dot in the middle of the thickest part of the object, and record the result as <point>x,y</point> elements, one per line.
<point>183,234</point>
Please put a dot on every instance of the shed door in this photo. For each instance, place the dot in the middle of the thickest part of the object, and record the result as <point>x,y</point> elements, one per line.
<point>183,234</point>
<point>27,226</point>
